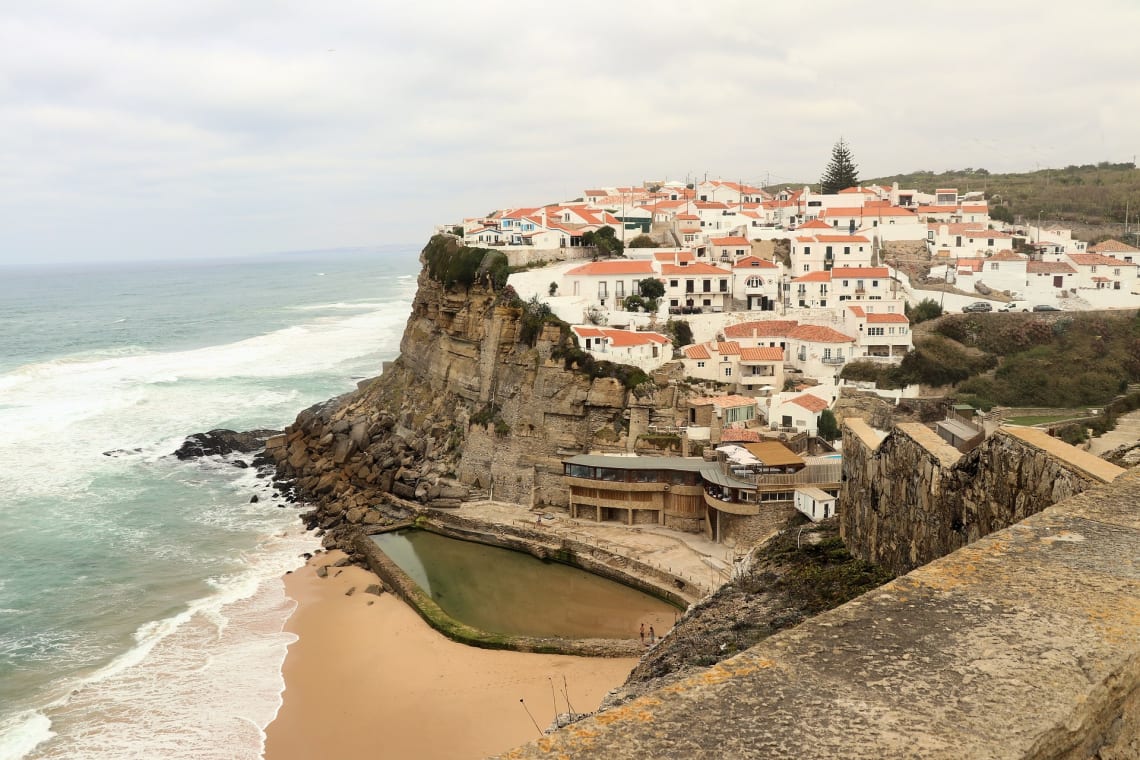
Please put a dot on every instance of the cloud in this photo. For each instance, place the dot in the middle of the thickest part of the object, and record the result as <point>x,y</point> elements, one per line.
<point>138,129</point>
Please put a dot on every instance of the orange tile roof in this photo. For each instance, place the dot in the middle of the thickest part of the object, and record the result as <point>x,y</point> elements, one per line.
<point>753,262</point>
<point>728,348</point>
<point>673,256</point>
<point>688,217</point>
<point>1048,267</point>
<point>739,435</point>
<point>696,352</point>
<point>815,224</point>
<point>1097,259</point>
<point>723,401</point>
<point>814,277</point>
<point>1007,256</point>
<point>856,190</point>
<point>697,267</point>
<point>975,208</point>
<point>860,272</point>
<point>841,239</point>
<point>819,334</point>
<point>810,402</point>
<point>899,319</point>
<point>762,354</point>
<point>587,332</point>
<point>1113,246</point>
<point>711,205</point>
<point>614,267</point>
<point>622,338</point>
<point>731,240</point>
<point>857,311</point>
<point>768,328</point>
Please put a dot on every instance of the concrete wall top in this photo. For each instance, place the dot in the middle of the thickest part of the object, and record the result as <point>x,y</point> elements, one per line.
<point>929,440</point>
<point>870,437</point>
<point>1093,466</point>
<point>1024,644</point>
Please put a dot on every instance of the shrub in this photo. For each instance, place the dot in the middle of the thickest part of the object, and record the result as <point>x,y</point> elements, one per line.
<point>643,241</point>
<point>925,309</point>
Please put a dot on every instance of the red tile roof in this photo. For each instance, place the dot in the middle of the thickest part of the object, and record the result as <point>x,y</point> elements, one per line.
<point>816,224</point>
<point>819,334</point>
<point>810,402</point>
<point>698,267</point>
<point>614,267</point>
<point>696,352</point>
<point>731,240</point>
<point>860,272</point>
<point>1007,255</point>
<point>814,277</point>
<point>1113,246</point>
<point>739,435</point>
<point>768,328</point>
<point>887,319</point>
<point>1097,259</point>
<point>763,354</point>
<point>622,338</point>
<point>753,262</point>
<point>1048,267</point>
<point>841,239</point>
<point>728,348</point>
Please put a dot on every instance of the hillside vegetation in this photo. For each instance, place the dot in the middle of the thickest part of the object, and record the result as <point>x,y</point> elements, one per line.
<point>1063,361</point>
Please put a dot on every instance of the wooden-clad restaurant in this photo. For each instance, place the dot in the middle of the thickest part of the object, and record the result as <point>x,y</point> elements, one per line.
<point>739,496</point>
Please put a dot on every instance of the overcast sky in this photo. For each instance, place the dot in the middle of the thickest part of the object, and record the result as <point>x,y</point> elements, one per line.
<point>137,129</point>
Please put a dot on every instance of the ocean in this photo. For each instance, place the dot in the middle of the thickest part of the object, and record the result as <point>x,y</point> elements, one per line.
<point>141,602</point>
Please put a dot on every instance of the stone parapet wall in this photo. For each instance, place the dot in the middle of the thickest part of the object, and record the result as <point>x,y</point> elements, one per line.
<point>1024,644</point>
<point>914,498</point>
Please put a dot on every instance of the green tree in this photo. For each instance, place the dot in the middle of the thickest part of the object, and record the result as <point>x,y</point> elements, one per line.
<point>841,173</point>
<point>552,289</point>
<point>828,427</point>
<point>1001,214</point>
<point>643,241</point>
<point>925,309</point>
<point>605,240</point>
<point>680,331</point>
<point>651,290</point>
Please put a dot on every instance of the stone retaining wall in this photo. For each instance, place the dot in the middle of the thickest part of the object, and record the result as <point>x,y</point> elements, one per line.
<point>1024,644</point>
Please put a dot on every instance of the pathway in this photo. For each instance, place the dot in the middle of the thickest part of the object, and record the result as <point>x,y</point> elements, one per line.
<point>1127,431</point>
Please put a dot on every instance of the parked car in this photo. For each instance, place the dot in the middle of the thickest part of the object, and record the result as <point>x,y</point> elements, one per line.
<point>1045,307</point>
<point>978,306</point>
<point>1013,306</point>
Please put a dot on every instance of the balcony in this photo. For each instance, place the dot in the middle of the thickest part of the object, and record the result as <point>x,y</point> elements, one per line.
<point>732,507</point>
<point>833,360</point>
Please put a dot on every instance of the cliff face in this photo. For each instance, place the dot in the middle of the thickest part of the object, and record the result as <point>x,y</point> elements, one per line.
<point>913,498</point>
<point>466,407</point>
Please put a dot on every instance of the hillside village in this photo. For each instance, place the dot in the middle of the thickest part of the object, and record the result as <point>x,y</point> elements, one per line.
<point>780,292</point>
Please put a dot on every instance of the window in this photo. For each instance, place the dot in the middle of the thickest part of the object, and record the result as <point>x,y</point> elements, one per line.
<point>706,302</point>
<point>874,331</point>
<point>807,250</point>
<point>700,364</point>
<point>1116,272</point>
<point>846,283</point>
<point>827,353</point>
<point>1093,269</point>
<point>672,283</point>
<point>827,251</point>
<point>846,250</point>
<point>754,282</point>
<point>807,267</point>
<point>724,286</point>
<point>993,266</point>
<point>674,302</point>
<point>706,286</point>
<point>728,371</point>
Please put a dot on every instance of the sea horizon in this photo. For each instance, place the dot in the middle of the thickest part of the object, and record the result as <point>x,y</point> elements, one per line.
<point>137,582</point>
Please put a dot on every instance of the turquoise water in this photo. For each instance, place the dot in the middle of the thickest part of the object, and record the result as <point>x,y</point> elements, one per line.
<point>503,591</point>
<point>134,585</point>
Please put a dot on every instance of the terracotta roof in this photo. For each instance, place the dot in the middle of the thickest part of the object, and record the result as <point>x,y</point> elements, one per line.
<point>819,334</point>
<point>697,267</point>
<point>841,239</point>
<point>728,348</point>
<point>1113,246</point>
<point>723,401</point>
<point>815,224</point>
<point>814,277</point>
<point>688,217</point>
<point>874,318</point>
<point>731,240</point>
<point>622,338</point>
<point>673,256</point>
<point>763,354</point>
<point>975,208</point>
<point>860,272</point>
<point>768,328</point>
<point>857,311</point>
<point>614,267</point>
<point>856,190</point>
<point>1097,259</point>
<point>587,332</point>
<point>1007,255</point>
<point>810,402</point>
<point>753,262</point>
<point>596,192</point>
<point>739,435</point>
<point>1048,267</point>
<point>696,352</point>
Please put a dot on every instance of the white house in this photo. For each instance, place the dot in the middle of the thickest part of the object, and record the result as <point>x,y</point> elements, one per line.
<point>729,249</point>
<point>814,503</point>
<point>884,337</point>
<point>772,333</point>
<point>796,411</point>
<point>1117,250</point>
<point>756,282</point>
<point>820,253</point>
<point>811,290</point>
<point>1048,277</point>
<point>608,282</point>
<point>863,284</point>
<point>818,351</point>
<point>966,239</point>
<point>698,285</point>
<point>761,369</point>
<point>647,350</point>
<point>754,370</point>
<point>1096,271</point>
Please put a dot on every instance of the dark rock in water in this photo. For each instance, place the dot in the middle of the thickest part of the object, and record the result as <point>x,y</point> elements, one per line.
<point>241,464</point>
<point>254,499</point>
<point>121,452</point>
<point>223,442</point>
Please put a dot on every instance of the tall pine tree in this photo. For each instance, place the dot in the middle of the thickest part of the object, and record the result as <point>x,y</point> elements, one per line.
<point>841,173</point>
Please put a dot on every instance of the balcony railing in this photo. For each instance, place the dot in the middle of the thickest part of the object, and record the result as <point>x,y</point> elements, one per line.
<point>833,360</point>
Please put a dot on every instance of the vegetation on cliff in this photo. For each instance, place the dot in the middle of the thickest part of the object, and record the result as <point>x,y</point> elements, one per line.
<point>1070,360</point>
<point>799,573</point>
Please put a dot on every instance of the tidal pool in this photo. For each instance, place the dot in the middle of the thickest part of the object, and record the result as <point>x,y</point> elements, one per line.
<point>508,592</point>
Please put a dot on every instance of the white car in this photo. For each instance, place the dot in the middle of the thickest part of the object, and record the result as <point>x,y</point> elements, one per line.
<point>1014,306</point>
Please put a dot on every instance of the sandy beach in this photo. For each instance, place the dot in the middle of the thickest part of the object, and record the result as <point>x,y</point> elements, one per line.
<point>367,677</point>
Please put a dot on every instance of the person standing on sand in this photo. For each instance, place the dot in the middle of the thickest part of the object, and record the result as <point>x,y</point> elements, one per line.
<point>643,634</point>
<point>652,636</point>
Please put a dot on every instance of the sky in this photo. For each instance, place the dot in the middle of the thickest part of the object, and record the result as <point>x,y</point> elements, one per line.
<point>149,129</point>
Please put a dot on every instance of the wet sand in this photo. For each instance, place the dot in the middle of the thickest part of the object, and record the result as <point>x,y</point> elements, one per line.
<point>367,677</point>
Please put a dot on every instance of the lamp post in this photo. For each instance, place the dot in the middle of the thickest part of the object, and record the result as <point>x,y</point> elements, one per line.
<point>1038,226</point>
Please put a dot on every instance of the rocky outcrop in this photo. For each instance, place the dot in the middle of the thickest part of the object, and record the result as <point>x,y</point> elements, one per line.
<point>468,409</point>
<point>221,442</point>
<point>913,498</point>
